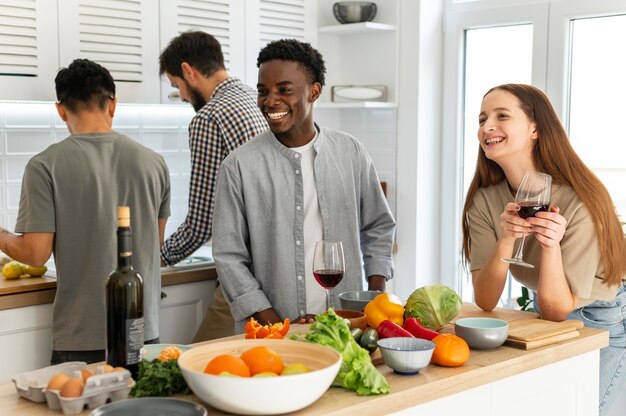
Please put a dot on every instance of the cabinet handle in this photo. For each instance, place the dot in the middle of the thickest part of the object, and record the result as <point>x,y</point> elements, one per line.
<point>163,295</point>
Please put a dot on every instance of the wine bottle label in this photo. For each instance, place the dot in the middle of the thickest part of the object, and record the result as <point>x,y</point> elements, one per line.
<point>134,340</point>
<point>126,254</point>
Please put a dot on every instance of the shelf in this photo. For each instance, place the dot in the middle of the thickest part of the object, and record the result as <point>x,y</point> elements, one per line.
<point>363,104</point>
<point>353,28</point>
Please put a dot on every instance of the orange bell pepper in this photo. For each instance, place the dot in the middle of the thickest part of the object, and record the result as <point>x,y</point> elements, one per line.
<point>254,330</point>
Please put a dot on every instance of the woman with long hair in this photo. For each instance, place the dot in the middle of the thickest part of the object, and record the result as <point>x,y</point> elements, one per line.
<point>578,245</point>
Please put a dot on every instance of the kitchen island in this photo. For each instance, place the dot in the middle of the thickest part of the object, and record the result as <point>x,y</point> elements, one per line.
<point>557,379</point>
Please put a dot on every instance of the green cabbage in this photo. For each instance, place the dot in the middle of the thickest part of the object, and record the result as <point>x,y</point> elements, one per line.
<point>434,306</point>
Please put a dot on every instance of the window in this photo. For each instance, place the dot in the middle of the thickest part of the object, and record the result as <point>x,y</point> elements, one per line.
<point>569,49</point>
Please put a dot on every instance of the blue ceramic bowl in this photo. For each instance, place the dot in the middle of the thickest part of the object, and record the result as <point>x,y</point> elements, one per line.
<point>406,356</point>
<point>482,333</point>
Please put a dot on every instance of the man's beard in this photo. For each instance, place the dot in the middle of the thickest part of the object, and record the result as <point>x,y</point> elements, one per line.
<point>196,100</point>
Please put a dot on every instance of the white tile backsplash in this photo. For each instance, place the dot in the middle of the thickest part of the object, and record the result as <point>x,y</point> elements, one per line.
<point>28,128</point>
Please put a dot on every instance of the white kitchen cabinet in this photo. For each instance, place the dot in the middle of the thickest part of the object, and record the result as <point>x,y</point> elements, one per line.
<point>121,35</point>
<point>28,49</point>
<point>26,339</point>
<point>359,53</point>
<point>37,37</point>
<point>183,309</point>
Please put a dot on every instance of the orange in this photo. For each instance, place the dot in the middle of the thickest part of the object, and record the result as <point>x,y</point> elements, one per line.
<point>450,350</point>
<point>262,359</point>
<point>227,363</point>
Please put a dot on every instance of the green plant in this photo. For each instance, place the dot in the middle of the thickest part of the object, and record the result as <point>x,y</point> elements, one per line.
<point>525,301</point>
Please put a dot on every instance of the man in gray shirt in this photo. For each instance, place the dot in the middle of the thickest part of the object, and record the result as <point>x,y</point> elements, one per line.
<point>291,186</point>
<point>68,205</point>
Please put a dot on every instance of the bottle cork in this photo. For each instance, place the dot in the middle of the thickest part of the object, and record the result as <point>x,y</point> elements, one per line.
<point>123,216</point>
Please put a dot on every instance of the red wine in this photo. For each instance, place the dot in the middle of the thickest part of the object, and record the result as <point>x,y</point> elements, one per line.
<point>529,209</point>
<point>124,300</point>
<point>328,278</point>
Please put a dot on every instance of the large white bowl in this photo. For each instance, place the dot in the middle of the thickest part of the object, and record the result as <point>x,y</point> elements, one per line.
<point>261,395</point>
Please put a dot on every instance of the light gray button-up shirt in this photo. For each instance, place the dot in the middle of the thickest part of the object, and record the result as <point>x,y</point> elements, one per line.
<point>258,229</point>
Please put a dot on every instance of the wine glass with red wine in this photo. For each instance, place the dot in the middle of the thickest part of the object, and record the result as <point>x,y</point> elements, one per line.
<point>533,196</point>
<point>328,265</point>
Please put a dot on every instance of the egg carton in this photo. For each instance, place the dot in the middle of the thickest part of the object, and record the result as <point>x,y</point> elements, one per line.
<point>30,385</point>
<point>99,389</point>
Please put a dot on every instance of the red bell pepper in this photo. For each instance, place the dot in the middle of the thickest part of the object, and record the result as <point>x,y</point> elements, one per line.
<point>415,327</point>
<point>389,329</point>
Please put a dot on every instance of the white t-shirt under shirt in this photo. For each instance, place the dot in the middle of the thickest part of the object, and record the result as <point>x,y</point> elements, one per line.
<point>313,228</point>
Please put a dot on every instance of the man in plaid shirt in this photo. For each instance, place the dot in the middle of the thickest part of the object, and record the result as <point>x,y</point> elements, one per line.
<point>226,117</point>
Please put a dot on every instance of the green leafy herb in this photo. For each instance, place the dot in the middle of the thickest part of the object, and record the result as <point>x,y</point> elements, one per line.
<point>357,371</point>
<point>159,378</point>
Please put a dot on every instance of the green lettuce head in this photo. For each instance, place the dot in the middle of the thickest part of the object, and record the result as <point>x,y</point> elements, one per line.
<point>434,306</point>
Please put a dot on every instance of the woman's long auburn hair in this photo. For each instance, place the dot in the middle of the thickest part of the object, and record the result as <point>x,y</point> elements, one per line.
<point>552,153</point>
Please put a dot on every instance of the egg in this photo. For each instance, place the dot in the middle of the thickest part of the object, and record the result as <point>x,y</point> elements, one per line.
<point>86,374</point>
<point>72,388</point>
<point>57,381</point>
<point>107,368</point>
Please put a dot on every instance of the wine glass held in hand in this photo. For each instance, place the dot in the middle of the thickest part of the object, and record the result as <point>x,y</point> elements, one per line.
<point>328,265</point>
<point>533,196</point>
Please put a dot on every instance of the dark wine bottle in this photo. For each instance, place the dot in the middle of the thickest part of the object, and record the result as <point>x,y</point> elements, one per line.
<point>124,300</point>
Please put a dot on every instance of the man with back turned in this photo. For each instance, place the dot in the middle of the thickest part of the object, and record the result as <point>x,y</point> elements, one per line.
<point>68,206</point>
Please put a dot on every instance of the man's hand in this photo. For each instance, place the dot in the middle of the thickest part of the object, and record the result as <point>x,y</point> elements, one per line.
<point>377,282</point>
<point>267,316</point>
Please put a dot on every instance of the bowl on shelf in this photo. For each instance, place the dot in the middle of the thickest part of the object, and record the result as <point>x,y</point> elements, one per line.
<point>482,333</point>
<point>406,356</point>
<point>354,11</point>
<point>357,299</point>
<point>252,395</point>
<point>357,319</point>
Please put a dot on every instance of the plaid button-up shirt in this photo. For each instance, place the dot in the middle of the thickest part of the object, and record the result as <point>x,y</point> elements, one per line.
<point>229,119</point>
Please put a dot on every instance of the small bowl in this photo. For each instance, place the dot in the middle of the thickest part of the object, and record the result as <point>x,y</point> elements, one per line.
<point>252,395</point>
<point>356,300</point>
<point>482,333</point>
<point>357,319</point>
<point>354,11</point>
<point>406,356</point>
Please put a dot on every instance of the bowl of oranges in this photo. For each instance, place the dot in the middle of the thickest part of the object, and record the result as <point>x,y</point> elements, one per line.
<point>222,373</point>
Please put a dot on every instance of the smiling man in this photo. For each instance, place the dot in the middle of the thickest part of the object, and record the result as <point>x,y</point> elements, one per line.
<point>226,117</point>
<point>289,187</point>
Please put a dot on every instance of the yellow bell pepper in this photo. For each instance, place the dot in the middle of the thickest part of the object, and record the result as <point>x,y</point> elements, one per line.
<point>384,306</point>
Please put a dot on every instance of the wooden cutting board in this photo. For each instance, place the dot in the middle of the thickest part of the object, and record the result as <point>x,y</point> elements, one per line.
<point>530,330</point>
<point>529,345</point>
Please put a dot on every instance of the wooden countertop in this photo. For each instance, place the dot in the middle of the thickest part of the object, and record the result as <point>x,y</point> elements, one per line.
<point>431,383</point>
<point>28,291</point>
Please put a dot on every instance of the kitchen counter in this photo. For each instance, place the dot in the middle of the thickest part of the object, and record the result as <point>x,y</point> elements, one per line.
<point>28,291</point>
<point>488,384</point>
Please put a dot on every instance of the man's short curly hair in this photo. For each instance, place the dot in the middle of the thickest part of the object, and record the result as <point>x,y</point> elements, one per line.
<point>84,84</point>
<point>293,50</point>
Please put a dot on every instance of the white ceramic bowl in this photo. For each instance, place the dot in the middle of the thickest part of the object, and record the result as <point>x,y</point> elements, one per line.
<point>261,395</point>
<point>406,355</point>
<point>357,299</point>
<point>482,333</point>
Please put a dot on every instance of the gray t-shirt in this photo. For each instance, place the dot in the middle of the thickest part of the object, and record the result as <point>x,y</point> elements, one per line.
<point>73,189</point>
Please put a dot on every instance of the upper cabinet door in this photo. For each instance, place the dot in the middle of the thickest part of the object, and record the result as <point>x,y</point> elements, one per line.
<point>121,35</point>
<point>268,20</point>
<point>28,49</point>
<point>223,19</point>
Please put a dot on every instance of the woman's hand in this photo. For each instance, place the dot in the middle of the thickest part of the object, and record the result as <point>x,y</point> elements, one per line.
<point>548,227</point>
<point>512,225</point>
